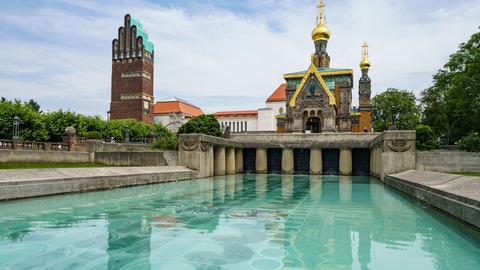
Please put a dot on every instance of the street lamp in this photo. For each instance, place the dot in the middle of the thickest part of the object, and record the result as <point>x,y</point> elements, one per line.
<point>16,128</point>
<point>127,135</point>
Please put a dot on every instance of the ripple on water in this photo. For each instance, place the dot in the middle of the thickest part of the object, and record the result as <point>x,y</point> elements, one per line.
<point>265,264</point>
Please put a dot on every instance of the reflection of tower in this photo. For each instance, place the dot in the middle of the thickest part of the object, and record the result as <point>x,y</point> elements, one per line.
<point>132,73</point>
<point>365,92</point>
<point>123,236</point>
<point>364,249</point>
<point>320,36</point>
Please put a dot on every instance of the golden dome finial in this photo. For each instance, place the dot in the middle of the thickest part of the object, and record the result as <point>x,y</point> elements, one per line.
<point>365,63</point>
<point>321,32</point>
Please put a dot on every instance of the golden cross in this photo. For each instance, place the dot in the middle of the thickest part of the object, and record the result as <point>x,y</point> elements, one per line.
<point>365,46</point>
<point>321,12</point>
<point>365,50</point>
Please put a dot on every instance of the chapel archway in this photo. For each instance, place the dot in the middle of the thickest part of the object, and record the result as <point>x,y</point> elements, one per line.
<point>313,124</point>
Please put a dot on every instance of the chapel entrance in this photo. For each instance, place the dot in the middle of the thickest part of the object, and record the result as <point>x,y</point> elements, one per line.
<point>313,124</point>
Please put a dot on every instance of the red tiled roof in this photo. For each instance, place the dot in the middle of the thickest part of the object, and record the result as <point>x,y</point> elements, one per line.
<point>236,113</point>
<point>279,94</point>
<point>164,107</point>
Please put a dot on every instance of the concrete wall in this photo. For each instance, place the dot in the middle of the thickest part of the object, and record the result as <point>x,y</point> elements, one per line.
<point>448,161</point>
<point>161,158</point>
<point>100,146</point>
<point>26,156</point>
<point>266,120</point>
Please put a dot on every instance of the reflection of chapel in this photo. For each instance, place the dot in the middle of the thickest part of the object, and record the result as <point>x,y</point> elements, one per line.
<point>319,99</point>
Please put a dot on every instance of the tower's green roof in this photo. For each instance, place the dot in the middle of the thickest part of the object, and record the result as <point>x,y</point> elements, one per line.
<point>142,33</point>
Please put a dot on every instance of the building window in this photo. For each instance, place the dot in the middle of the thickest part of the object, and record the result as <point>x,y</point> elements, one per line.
<point>241,126</point>
<point>280,111</point>
<point>246,129</point>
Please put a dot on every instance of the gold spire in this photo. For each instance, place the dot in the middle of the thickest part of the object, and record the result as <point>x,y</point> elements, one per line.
<point>365,63</point>
<point>321,31</point>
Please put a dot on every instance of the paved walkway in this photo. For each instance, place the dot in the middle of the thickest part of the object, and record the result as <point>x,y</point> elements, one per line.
<point>16,184</point>
<point>455,194</point>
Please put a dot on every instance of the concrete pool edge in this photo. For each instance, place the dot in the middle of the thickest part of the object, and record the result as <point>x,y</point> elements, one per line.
<point>456,195</point>
<point>20,184</point>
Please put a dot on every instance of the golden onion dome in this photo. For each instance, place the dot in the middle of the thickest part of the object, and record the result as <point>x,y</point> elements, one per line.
<point>321,32</point>
<point>365,64</point>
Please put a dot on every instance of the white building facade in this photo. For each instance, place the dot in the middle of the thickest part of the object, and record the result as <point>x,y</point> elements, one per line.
<point>260,120</point>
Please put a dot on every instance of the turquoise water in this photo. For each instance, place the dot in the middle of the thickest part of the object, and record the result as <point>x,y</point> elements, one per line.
<point>236,222</point>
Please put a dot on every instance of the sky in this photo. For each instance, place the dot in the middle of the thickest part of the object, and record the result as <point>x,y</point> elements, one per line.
<point>221,54</point>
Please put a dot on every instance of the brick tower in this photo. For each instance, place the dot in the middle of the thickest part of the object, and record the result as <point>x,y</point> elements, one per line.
<point>132,73</point>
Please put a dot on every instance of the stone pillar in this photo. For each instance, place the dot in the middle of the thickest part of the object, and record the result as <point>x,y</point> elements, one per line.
<point>372,162</point>
<point>238,160</point>
<point>220,160</point>
<point>345,161</point>
<point>287,161</point>
<point>261,160</point>
<point>211,161</point>
<point>316,161</point>
<point>230,160</point>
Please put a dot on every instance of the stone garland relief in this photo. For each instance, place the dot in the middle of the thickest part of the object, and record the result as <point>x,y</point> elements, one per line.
<point>399,145</point>
<point>194,145</point>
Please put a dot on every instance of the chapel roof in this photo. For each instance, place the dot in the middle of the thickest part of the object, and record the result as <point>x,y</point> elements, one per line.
<point>279,94</point>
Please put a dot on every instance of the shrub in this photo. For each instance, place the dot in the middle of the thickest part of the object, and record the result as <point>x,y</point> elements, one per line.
<point>204,124</point>
<point>167,142</point>
<point>470,143</point>
<point>93,135</point>
<point>426,139</point>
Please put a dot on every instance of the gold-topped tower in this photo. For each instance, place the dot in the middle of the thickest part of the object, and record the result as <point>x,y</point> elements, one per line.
<point>321,31</point>
<point>365,63</point>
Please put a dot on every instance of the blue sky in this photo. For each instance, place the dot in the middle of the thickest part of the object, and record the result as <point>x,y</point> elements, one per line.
<point>220,55</point>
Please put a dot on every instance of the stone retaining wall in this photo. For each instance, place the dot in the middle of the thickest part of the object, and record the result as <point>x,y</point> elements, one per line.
<point>17,184</point>
<point>100,146</point>
<point>160,158</point>
<point>448,161</point>
<point>457,195</point>
<point>26,156</point>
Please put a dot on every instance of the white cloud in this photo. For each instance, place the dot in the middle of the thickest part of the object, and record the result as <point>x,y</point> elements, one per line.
<point>210,51</point>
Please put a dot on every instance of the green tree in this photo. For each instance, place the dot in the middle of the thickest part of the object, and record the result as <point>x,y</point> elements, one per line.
<point>204,124</point>
<point>31,126</point>
<point>56,122</point>
<point>426,139</point>
<point>470,143</point>
<point>452,105</point>
<point>34,105</point>
<point>396,107</point>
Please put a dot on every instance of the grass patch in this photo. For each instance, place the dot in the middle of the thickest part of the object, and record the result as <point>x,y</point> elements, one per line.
<point>12,166</point>
<point>469,173</point>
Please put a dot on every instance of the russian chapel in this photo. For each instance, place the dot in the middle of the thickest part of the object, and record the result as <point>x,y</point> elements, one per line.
<point>320,98</point>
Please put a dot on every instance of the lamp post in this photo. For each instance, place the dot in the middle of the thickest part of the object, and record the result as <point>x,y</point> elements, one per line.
<point>127,135</point>
<point>16,128</point>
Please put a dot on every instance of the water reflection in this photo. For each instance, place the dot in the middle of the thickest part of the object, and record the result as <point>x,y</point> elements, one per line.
<point>241,222</point>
